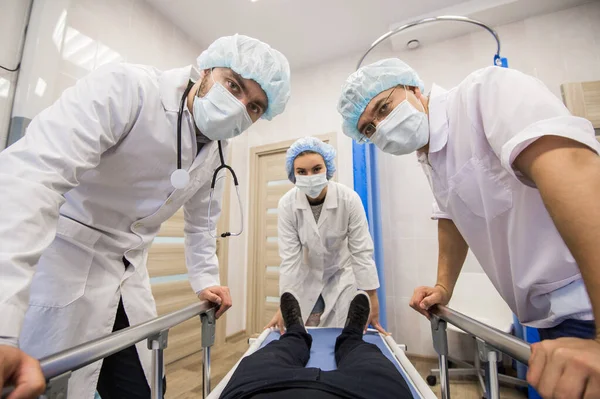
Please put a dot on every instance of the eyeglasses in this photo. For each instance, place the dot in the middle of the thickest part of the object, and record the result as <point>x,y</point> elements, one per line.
<point>371,128</point>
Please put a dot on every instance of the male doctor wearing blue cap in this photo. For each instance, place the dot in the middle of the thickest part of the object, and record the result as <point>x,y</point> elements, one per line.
<point>516,178</point>
<point>84,193</point>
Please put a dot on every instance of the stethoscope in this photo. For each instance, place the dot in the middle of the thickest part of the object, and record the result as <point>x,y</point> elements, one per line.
<point>181,177</point>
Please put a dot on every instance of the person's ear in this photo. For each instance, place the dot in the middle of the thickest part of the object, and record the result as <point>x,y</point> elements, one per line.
<point>417,92</point>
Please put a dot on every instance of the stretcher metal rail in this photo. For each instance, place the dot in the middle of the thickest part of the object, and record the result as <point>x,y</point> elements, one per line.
<point>490,342</point>
<point>57,368</point>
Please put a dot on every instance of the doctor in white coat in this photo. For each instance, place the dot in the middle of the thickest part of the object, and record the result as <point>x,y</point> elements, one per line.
<point>324,242</point>
<point>85,191</point>
<point>516,178</point>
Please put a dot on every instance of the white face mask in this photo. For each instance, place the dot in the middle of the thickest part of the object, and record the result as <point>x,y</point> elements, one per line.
<point>403,131</point>
<point>219,115</point>
<point>312,185</point>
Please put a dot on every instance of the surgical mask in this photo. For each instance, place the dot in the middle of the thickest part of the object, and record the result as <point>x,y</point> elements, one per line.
<point>219,115</point>
<point>311,185</point>
<point>403,131</point>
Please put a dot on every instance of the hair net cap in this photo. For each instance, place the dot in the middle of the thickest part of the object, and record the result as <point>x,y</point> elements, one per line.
<point>310,144</point>
<point>252,59</point>
<point>366,83</point>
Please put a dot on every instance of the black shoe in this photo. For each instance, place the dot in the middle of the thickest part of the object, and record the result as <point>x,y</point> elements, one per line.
<point>358,313</point>
<point>290,311</point>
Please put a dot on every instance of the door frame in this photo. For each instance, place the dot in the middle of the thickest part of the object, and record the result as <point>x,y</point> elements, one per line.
<point>252,324</point>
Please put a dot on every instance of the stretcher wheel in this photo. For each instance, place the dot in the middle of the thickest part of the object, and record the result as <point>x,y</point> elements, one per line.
<point>431,380</point>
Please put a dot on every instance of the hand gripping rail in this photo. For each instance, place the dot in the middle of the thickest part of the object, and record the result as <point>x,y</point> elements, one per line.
<point>489,340</point>
<point>57,368</point>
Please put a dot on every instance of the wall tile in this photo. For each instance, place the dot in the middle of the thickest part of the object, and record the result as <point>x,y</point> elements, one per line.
<point>407,325</point>
<point>406,277</point>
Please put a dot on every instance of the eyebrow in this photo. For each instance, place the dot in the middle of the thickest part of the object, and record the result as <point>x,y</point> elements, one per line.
<point>375,107</point>
<point>319,165</point>
<point>240,81</point>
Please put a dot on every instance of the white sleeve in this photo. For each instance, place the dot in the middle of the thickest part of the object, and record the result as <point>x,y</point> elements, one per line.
<point>8,341</point>
<point>290,250</point>
<point>360,245</point>
<point>60,145</point>
<point>517,109</point>
<point>437,213</point>
<point>200,248</point>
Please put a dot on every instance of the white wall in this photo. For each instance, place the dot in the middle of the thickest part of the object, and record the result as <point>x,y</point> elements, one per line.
<point>556,48</point>
<point>69,38</point>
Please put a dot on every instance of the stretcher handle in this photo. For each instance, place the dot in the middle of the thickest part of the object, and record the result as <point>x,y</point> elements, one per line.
<point>62,363</point>
<point>505,343</point>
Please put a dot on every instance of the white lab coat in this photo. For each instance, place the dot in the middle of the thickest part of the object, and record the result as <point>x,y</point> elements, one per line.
<point>86,186</point>
<point>332,258</point>
<point>477,130</point>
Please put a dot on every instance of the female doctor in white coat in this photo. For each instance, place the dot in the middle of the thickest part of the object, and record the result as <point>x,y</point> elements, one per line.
<point>324,240</point>
<point>85,191</point>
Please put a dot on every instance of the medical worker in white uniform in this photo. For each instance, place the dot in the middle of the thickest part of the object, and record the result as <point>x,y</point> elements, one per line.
<point>516,178</point>
<point>85,191</point>
<point>325,246</point>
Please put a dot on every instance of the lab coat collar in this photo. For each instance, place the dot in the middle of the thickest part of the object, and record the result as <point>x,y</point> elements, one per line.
<point>331,200</point>
<point>438,119</point>
<point>172,85</point>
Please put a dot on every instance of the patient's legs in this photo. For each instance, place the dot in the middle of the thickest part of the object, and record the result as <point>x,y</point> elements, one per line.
<point>361,365</point>
<point>280,363</point>
<point>292,349</point>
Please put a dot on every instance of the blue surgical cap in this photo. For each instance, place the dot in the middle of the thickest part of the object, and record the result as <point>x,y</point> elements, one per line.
<point>310,144</point>
<point>252,59</point>
<point>366,83</point>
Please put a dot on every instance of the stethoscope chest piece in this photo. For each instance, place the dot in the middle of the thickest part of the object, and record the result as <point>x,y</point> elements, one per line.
<point>180,178</point>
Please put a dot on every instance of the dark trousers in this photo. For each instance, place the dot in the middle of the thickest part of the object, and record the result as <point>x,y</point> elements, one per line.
<point>121,375</point>
<point>278,371</point>
<point>570,328</point>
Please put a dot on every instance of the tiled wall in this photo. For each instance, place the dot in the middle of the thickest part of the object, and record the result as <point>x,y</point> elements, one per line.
<point>558,47</point>
<point>69,38</point>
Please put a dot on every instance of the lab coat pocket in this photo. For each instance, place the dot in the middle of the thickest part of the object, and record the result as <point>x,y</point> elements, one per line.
<point>62,272</point>
<point>335,238</point>
<point>481,191</point>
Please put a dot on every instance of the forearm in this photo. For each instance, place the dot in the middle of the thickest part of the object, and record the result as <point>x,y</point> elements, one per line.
<point>571,197</point>
<point>452,254</point>
<point>372,294</point>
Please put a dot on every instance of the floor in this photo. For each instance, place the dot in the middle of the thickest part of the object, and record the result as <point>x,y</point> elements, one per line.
<point>185,376</point>
<point>461,389</point>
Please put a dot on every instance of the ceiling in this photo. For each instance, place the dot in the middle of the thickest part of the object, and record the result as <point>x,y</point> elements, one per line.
<point>311,32</point>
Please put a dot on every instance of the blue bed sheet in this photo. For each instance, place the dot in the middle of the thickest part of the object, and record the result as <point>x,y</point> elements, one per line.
<point>323,348</point>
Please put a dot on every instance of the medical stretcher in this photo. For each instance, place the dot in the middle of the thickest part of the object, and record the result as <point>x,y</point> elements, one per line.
<point>322,356</point>
<point>57,368</point>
